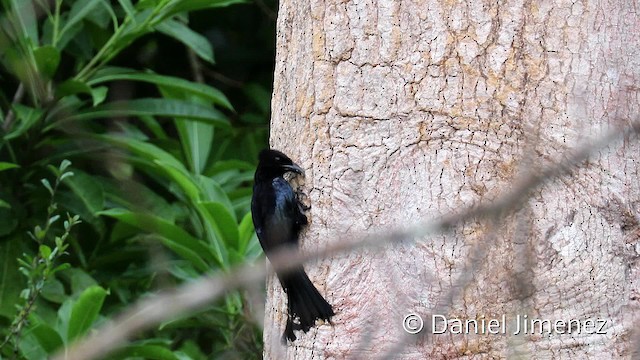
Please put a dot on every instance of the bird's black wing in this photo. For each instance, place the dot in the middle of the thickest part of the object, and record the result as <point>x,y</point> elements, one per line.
<point>276,214</point>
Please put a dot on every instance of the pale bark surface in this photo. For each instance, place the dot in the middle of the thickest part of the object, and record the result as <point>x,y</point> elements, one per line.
<point>404,110</point>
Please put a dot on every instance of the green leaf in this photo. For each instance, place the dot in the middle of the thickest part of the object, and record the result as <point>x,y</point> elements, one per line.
<point>80,280</point>
<point>88,191</point>
<point>72,87</point>
<point>182,178</point>
<point>245,232</point>
<point>4,204</point>
<point>30,349</point>
<point>139,197</point>
<point>177,84</point>
<point>212,191</point>
<point>196,139</point>
<point>7,166</point>
<point>46,336</point>
<point>146,351</point>
<point>11,281</point>
<point>47,60</point>
<point>231,174</point>
<point>128,8</point>
<point>45,251</point>
<point>64,315</point>
<point>99,94</point>
<point>24,17</point>
<point>53,290</point>
<point>155,107</point>
<point>79,11</point>
<point>47,185</point>
<point>191,39</point>
<point>85,311</point>
<point>191,5</point>
<point>103,16</point>
<point>224,222</point>
<point>143,149</point>
<point>27,117</point>
<point>174,237</point>
<point>64,164</point>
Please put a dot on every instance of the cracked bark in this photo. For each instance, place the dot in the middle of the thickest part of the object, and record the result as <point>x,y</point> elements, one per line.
<point>404,110</point>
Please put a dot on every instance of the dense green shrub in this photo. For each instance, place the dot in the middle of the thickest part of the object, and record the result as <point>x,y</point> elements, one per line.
<point>122,171</point>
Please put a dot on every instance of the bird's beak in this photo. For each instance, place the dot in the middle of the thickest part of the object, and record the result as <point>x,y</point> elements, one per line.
<point>294,168</point>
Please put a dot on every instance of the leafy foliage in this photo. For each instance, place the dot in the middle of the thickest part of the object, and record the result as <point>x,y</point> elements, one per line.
<point>160,185</point>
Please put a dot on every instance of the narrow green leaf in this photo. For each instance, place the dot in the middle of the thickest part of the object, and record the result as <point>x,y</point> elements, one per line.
<point>128,8</point>
<point>245,232</point>
<point>146,351</point>
<point>79,11</point>
<point>47,60</point>
<point>145,200</point>
<point>99,94</point>
<point>60,267</point>
<point>196,139</point>
<point>143,149</point>
<point>231,174</point>
<point>155,107</point>
<point>191,5</point>
<point>180,85</point>
<point>27,117</point>
<point>72,87</point>
<point>45,251</point>
<point>224,223</point>
<point>88,191</point>
<point>30,349</point>
<point>66,175</point>
<point>64,315</point>
<point>212,191</point>
<point>80,280</point>
<point>64,165</point>
<point>104,15</point>
<point>155,127</point>
<point>47,185</point>
<point>187,254</point>
<point>53,290</point>
<point>4,204</point>
<point>54,170</point>
<point>11,282</point>
<point>53,219</point>
<point>174,237</point>
<point>7,166</point>
<point>254,249</point>
<point>24,16</point>
<point>191,39</point>
<point>46,336</point>
<point>183,179</point>
<point>85,311</point>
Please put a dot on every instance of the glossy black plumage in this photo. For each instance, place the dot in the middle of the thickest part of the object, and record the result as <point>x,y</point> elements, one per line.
<point>278,218</point>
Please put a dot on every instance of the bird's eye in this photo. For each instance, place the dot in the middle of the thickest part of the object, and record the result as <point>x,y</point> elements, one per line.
<point>278,158</point>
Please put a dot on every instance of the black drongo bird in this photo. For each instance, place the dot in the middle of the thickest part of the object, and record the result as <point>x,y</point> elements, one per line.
<point>278,218</point>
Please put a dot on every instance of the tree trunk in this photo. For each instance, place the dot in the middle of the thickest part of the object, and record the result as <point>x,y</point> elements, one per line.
<point>403,111</point>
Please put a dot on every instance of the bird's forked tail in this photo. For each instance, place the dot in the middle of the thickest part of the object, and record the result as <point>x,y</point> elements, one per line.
<point>305,304</point>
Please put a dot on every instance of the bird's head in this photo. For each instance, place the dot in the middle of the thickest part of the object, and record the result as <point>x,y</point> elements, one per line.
<point>273,163</point>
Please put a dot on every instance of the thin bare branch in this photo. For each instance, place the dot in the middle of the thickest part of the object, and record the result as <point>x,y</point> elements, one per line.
<point>17,98</point>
